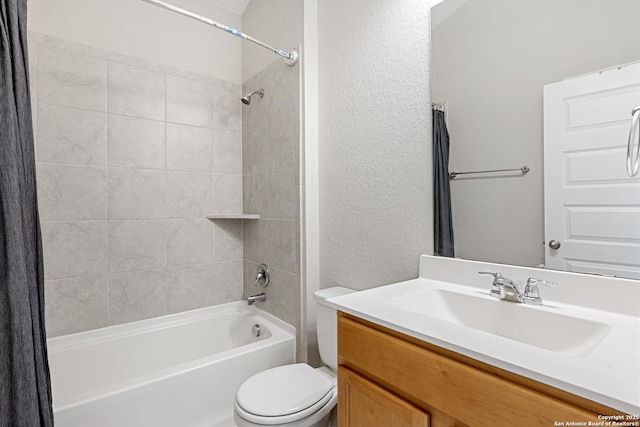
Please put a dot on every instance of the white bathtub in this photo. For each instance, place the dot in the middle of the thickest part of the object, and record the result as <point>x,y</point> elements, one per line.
<point>180,370</point>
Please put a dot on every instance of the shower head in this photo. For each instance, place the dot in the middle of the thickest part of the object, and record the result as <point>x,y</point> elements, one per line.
<point>247,98</point>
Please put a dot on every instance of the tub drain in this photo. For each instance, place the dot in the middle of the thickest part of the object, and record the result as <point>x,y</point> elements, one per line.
<point>256,330</point>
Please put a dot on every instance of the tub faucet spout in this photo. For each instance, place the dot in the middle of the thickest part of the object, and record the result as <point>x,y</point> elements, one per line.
<point>256,298</point>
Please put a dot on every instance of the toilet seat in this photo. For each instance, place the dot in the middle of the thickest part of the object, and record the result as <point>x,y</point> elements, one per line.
<point>284,394</point>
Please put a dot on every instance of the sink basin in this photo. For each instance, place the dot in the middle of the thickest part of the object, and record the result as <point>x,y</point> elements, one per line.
<point>560,333</point>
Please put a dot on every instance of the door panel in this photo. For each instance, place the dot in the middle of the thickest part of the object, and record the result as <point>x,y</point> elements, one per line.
<point>591,206</point>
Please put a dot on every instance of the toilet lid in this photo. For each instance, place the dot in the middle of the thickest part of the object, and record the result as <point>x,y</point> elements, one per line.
<point>283,390</point>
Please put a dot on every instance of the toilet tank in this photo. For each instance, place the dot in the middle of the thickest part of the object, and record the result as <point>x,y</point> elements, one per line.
<point>327,324</point>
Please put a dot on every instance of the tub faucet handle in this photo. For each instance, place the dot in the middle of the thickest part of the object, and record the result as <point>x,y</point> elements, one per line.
<point>262,276</point>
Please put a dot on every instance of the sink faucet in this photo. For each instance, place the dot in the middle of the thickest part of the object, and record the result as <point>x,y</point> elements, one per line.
<point>507,289</point>
<point>531,291</point>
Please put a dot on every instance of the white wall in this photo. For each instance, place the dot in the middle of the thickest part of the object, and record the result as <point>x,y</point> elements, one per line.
<point>278,23</point>
<point>374,141</point>
<point>144,31</point>
<point>490,61</point>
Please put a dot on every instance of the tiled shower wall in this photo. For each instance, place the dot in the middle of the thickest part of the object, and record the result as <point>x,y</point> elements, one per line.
<point>131,157</point>
<point>271,152</point>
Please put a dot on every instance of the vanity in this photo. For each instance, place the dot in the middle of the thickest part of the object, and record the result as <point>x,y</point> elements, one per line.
<point>441,351</point>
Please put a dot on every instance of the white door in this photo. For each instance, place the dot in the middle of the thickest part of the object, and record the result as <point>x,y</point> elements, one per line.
<point>592,208</point>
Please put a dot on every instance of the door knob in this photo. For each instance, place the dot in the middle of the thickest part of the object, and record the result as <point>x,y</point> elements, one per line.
<point>554,244</point>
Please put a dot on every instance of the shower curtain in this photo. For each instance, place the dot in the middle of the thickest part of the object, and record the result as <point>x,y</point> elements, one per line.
<point>442,219</point>
<point>25,390</point>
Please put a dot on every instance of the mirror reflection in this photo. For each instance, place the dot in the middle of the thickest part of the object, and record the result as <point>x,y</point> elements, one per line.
<point>491,62</point>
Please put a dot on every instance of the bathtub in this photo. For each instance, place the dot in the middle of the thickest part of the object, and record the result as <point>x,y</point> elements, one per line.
<point>180,370</point>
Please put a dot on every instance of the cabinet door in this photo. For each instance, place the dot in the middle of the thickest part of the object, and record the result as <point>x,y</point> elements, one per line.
<point>362,403</point>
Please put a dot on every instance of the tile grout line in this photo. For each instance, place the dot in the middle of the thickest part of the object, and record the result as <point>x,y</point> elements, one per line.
<point>165,220</point>
<point>212,189</point>
<point>107,109</point>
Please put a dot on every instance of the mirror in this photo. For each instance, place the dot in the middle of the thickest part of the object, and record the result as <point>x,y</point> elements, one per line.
<point>489,62</point>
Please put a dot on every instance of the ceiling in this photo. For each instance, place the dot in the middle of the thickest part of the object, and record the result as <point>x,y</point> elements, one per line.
<point>236,6</point>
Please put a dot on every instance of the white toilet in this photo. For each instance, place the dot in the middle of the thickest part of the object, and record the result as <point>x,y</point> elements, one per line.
<point>296,395</point>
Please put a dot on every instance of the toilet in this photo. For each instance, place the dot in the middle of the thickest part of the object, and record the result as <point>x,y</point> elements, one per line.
<point>296,395</point>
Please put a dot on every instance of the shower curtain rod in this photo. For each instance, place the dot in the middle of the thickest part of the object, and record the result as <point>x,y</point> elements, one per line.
<point>289,58</point>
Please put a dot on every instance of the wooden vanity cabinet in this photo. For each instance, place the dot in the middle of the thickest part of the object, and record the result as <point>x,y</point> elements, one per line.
<point>386,378</point>
<point>365,404</point>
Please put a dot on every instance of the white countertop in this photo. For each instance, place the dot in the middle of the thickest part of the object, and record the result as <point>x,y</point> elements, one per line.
<point>608,373</point>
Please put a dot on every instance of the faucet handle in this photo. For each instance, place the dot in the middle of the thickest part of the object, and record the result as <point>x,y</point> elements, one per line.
<point>531,291</point>
<point>533,282</point>
<point>498,279</point>
<point>496,275</point>
<point>262,276</point>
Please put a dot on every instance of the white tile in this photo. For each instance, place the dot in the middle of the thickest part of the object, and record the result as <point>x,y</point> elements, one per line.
<point>135,91</point>
<point>136,143</point>
<point>189,102</point>
<point>256,157</point>
<point>189,148</point>
<point>256,194</point>
<point>136,245</point>
<point>189,241</point>
<point>71,136</point>
<point>189,195</point>
<point>228,276</point>
<point>71,79</point>
<point>282,236</point>
<point>136,194</point>
<point>227,152</point>
<point>74,249</point>
<point>71,193</point>
<point>248,278</point>
<point>281,296</point>
<point>137,295</point>
<point>227,194</point>
<point>256,241</point>
<point>283,143</point>
<point>283,85</point>
<point>190,287</point>
<point>248,200</point>
<point>227,240</point>
<point>281,194</point>
<point>75,305</point>
<point>228,107</point>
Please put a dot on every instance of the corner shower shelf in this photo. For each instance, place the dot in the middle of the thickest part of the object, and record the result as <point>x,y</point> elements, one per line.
<point>233,216</point>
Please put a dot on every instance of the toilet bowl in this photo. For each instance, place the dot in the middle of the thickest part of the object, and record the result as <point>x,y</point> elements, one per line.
<point>296,395</point>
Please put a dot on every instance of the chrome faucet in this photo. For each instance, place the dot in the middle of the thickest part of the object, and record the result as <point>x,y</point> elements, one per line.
<point>256,298</point>
<point>262,279</point>
<point>531,291</point>
<point>507,289</point>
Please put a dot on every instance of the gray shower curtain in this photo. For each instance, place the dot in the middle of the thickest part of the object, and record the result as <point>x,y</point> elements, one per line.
<point>442,218</point>
<point>25,390</point>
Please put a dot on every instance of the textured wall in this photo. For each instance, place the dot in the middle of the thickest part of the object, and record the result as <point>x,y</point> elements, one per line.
<point>271,147</point>
<point>131,157</point>
<point>494,104</point>
<point>374,141</point>
<point>145,31</point>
